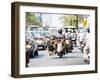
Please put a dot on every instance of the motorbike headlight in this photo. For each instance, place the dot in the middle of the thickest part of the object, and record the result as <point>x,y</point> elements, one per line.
<point>67,42</point>
<point>82,45</point>
<point>28,46</point>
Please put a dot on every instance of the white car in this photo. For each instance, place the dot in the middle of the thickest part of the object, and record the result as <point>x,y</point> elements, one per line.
<point>40,39</point>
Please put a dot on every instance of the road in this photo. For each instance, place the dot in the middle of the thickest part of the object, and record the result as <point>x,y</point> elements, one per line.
<point>43,59</point>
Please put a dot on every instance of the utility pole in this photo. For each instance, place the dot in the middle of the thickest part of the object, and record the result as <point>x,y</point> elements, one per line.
<point>77,21</point>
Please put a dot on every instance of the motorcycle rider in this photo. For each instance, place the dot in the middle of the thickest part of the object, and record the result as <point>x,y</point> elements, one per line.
<point>69,46</point>
<point>73,35</point>
<point>60,44</point>
<point>51,46</point>
<point>27,55</point>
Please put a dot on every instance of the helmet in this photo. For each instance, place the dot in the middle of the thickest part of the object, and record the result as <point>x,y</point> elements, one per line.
<point>60,31</point>
<point>88,30</point>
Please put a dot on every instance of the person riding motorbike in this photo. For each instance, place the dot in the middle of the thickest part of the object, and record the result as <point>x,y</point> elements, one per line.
<point>73,36</point>
<point>69,46</point>
<point>51,46</point>
<point>59,45</point>
<point>59,48</point>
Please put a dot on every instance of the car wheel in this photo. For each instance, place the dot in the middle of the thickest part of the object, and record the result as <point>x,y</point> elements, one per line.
<point>44,47</point>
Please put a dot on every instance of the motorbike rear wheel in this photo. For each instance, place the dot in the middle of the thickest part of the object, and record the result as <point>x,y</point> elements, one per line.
<point>60,55</point>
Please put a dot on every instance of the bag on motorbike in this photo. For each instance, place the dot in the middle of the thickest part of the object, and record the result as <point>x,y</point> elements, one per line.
<point>59,47</point>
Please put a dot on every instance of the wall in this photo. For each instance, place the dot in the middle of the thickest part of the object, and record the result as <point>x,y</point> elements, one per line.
<point>5,40</point>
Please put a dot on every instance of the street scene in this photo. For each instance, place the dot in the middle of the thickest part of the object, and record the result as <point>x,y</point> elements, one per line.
<point>56,39</point>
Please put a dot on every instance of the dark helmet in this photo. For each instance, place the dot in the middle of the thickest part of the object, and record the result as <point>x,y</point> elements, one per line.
<point>60,31</point>
<point>88,30</point>
<point>66,30</point>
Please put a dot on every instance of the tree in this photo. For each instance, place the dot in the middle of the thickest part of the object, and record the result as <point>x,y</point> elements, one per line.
<point>69,20</point>
<point>72,20</point>
<point>80,18</point>
<point>31,19</point>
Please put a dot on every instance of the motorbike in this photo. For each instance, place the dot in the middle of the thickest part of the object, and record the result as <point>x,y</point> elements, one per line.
<point>82,45</point>
<point>28,50</point>
<point>68,46</point>
<point>60,48</point>
<point>87,55</point>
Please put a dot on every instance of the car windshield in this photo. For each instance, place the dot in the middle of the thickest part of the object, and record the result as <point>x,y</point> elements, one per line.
<point>37,34</point>
<point>46,33</point>
<point>33,29</point>
<point>28,35</point>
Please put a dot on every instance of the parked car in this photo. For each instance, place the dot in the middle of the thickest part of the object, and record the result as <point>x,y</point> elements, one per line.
<point>39,39</point>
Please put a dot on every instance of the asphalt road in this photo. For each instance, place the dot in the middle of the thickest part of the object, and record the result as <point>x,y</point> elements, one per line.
<point>43,59</point>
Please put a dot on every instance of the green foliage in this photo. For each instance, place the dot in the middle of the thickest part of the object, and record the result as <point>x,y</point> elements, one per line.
<point>31,19</point>
<point>71,20</point>
<point>80,19</point>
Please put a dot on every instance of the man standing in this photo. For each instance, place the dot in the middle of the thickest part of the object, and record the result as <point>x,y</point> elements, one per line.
<point>87,46</point>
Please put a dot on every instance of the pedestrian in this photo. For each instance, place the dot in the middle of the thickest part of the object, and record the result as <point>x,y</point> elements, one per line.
<point>68,46</point>
<point>81,37</point>
<point>87,46</point>
<point>77,39</point>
